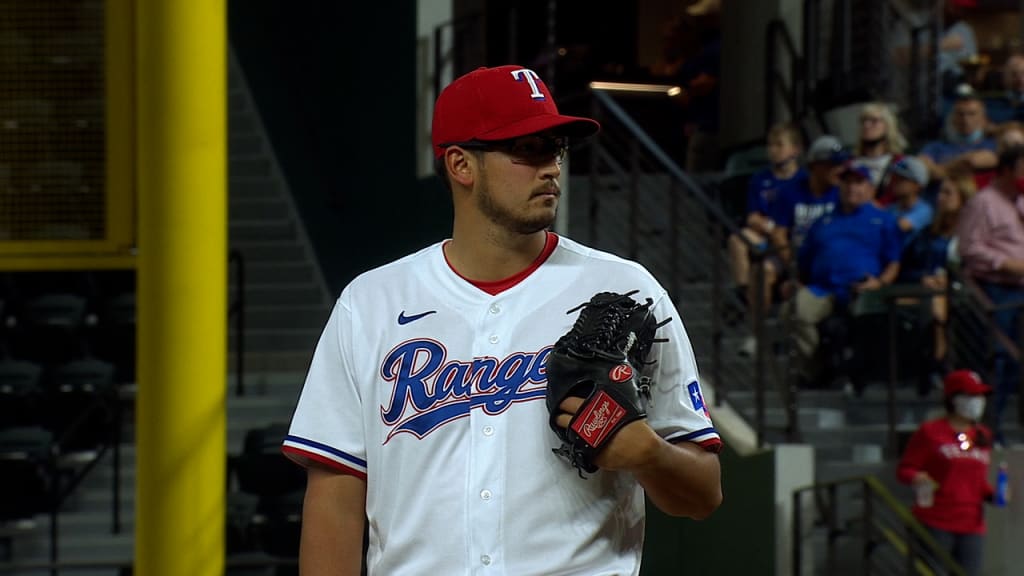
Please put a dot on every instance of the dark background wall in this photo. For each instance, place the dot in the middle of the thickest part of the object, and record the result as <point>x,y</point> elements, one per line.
<point>335,83</point>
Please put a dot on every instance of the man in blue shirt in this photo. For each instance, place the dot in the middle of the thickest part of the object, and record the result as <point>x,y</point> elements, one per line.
<point>852,250</point>
<point>808,199</point>
<point>964,138</point>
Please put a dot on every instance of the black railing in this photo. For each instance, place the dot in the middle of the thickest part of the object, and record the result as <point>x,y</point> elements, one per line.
<point>695,254</point>
<point>236,309</point>
<point>861,515</point>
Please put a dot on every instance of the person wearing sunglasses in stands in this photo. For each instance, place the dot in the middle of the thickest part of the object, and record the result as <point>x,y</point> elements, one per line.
<point>946,461</point>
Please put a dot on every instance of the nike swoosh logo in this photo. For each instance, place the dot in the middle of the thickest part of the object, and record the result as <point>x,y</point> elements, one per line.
<point>403,319</point>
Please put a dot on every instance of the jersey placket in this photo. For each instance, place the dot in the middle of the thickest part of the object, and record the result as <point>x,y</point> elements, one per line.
<point>487,459</point>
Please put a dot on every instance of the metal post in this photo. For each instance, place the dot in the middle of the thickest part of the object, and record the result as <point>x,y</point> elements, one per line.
<point>756,308</point>
<point>894,374</point>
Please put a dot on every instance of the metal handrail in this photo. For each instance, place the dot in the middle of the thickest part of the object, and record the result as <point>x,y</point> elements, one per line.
<point>237,309</point>
<point>905,533</point>
<point>722,223</point>
<point>776,35</point>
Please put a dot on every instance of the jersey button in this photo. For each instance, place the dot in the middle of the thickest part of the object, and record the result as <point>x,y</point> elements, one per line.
<point>485,560</point>
<point>493,339</point>
<point>485,494</point>
<point>488,430</point>
<point>495,309</point>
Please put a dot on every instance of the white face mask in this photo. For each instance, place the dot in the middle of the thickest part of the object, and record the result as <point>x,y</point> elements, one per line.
<point>970,407</point>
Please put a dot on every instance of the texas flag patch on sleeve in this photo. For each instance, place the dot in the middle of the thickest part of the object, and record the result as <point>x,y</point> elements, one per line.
<point>697,399</point>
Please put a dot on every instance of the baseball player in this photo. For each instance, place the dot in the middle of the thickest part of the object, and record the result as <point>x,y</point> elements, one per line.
<point>423,413</point>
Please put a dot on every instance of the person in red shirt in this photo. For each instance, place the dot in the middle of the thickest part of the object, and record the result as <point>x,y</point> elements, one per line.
<point>947,462</point>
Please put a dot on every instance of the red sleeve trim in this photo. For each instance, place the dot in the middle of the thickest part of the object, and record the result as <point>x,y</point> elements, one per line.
<point>304,459</point>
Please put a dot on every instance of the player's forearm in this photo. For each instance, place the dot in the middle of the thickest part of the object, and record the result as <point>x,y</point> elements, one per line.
<point>682,480</point>
<point>332,525</point>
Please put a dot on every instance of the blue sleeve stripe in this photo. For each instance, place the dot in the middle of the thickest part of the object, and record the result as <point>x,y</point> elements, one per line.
<point>327,449</point>
<point>697,434</point>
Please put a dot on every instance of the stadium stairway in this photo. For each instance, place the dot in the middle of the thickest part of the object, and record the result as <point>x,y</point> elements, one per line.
<point>286,299</point>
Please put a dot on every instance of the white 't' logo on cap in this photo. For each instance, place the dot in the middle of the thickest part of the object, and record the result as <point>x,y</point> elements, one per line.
<point>532,78</point>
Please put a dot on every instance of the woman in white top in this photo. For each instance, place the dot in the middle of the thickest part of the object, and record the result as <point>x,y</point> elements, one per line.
<point>879,140</point>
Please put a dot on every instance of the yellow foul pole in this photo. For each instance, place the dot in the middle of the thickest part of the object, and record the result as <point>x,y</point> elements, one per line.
<point>181,78</point>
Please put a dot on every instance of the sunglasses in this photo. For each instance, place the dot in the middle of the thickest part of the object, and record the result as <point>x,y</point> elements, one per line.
<point>529,150</point>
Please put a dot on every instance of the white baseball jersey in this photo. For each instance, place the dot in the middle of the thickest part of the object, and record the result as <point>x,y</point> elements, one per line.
<point>433,390</point>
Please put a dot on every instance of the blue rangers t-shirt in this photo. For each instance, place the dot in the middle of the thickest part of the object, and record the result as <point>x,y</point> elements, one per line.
<point>841,249</point>
<point>798,208</point>
<point>764,190</point>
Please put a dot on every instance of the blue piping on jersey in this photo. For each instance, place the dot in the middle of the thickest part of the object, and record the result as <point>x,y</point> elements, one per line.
<point>326,448</point>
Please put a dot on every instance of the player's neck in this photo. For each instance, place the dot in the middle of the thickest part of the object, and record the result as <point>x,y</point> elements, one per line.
<point>493,254</point>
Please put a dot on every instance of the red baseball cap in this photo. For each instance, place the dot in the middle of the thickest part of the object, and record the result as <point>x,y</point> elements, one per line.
<point>965,382</point>
<point>500,103</point>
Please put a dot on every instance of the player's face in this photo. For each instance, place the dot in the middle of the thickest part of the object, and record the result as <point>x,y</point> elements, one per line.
<point>518,184</point>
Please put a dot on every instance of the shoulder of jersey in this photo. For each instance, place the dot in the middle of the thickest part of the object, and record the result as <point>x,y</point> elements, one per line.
<point>569,250</point>
<point>396,270</point>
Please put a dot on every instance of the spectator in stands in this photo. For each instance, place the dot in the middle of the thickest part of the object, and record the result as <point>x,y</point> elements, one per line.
<point>850,251</point>
<point>991,246</point>
<point>946,461</point>
<point>880,140</point>
<point>763,192</point>
<point>927,258</point>
<point>965,140</point>
<point>908,178</point>
<point>1007,134</point>
<point>1009,106</point>
<point>802,204</point>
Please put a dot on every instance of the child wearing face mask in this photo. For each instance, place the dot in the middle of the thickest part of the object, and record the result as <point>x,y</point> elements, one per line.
<point>947,462</point>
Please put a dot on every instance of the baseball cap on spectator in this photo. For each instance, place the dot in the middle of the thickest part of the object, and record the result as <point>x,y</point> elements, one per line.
<point>964,382</point>
<point>910,168</point>
<point>827,149</point>
<point>854,168</point>
<point>500,103</point>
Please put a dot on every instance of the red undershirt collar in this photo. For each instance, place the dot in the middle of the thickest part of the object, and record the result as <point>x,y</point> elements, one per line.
<point>496,287</point>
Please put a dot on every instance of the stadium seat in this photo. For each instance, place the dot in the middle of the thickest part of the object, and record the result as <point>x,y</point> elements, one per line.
<point>80,404</point>
<point>25,479</point>
<point>49,328</point>
<point>21,393</point>
<point>261,468</point>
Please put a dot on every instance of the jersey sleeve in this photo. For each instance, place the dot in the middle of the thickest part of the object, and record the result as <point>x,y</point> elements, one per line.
<point>327,425</point>
<point>677,411</point>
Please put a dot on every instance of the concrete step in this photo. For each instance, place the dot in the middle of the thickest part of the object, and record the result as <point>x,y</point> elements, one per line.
<point>245,186</point>
<point>245,145</point>
<point>242,231</point>
<point>268,295</point>
<point>258,341</point>
<point>251,166</point>
<point>256,362</point>
<point>290,317</point>
<point>256,208</point>
<point>273,252</point>
<point>258,273</point>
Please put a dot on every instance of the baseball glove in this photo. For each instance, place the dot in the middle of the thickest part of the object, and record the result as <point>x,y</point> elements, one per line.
<point>600,360</point>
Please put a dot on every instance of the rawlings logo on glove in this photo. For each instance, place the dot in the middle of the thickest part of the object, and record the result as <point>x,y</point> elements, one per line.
<point>599,360</point>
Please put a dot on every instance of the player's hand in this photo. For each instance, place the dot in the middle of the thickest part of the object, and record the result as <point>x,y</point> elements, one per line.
<point>631,448</point>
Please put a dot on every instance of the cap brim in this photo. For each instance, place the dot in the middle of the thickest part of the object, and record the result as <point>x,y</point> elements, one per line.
<point>571,126</point>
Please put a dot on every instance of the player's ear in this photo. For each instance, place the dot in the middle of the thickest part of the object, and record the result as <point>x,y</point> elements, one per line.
<point>460,165</point>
